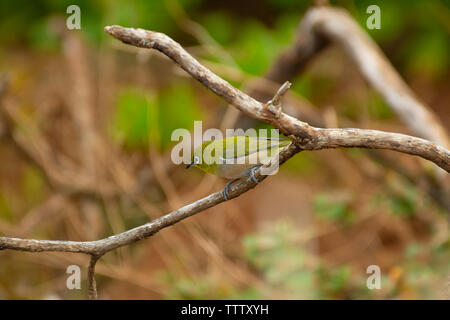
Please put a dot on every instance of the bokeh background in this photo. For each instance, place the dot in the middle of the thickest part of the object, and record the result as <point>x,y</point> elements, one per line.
<point>85,128</point>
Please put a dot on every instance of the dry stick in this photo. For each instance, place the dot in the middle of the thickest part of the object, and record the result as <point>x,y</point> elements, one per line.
<point>92,291</point>
<point>306,136</point>
<point>100,247</point>
<point>323,25</point>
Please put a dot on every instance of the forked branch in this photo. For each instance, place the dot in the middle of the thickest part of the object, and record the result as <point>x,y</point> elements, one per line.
<point>304,135</point>
<point>322,26</point>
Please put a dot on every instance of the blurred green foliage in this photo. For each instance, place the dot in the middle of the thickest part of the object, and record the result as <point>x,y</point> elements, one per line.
<point>258,46</point>
<point>33,185</point>
<point>418,30</point>
<point>378,108</point>
<point>425,264</point>
<point>144,117</point>
<point>221,26</point>
<point>26,18</point>
<point>206,287</point>
<point>135,118</point>
<point>333,281</point>
<point>179,108</point>
<point>281,261</point>
<point>333,210</point>
<point>402,204</point>
<point>304,164</point>
<point>5,210</point>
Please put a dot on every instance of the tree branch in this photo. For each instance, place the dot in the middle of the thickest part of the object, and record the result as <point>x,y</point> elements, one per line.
<point>294,60</point>
<point>100,247</point>
<point>375,139</point>
<point>304,135</point>
<point>324,25</point>
<point>92,293</point>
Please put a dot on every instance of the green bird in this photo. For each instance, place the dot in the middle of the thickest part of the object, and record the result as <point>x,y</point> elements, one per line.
<point>236,157</point>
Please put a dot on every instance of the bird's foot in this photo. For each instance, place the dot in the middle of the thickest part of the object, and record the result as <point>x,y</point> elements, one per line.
<point>227,188</point>
<point>252,177</point>
<point>252,173</point>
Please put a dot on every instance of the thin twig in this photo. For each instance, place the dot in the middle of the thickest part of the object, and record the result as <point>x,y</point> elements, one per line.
<point>276,101</point>
<point>92,294</point>
<point>274,105</point>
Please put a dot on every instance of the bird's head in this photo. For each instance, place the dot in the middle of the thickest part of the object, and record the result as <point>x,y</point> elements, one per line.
<point>203,159</point>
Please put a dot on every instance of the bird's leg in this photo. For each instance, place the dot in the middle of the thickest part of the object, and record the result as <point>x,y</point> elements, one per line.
<point>252,173</point>
<point>252,177</point>
<point>227,188</point>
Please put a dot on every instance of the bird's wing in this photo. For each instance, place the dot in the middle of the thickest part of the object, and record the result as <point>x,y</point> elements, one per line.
<point>247,146</point>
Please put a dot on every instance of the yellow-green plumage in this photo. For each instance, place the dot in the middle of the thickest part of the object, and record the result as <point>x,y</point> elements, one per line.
<point>234,157</point>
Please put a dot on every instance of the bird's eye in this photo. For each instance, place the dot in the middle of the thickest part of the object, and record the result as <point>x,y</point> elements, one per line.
<point>196,160</point>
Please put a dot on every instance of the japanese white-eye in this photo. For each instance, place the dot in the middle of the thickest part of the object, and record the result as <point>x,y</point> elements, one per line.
<point>236,157</point>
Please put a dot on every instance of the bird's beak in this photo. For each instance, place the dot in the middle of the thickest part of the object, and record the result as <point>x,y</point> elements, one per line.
<point>190,165</point>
